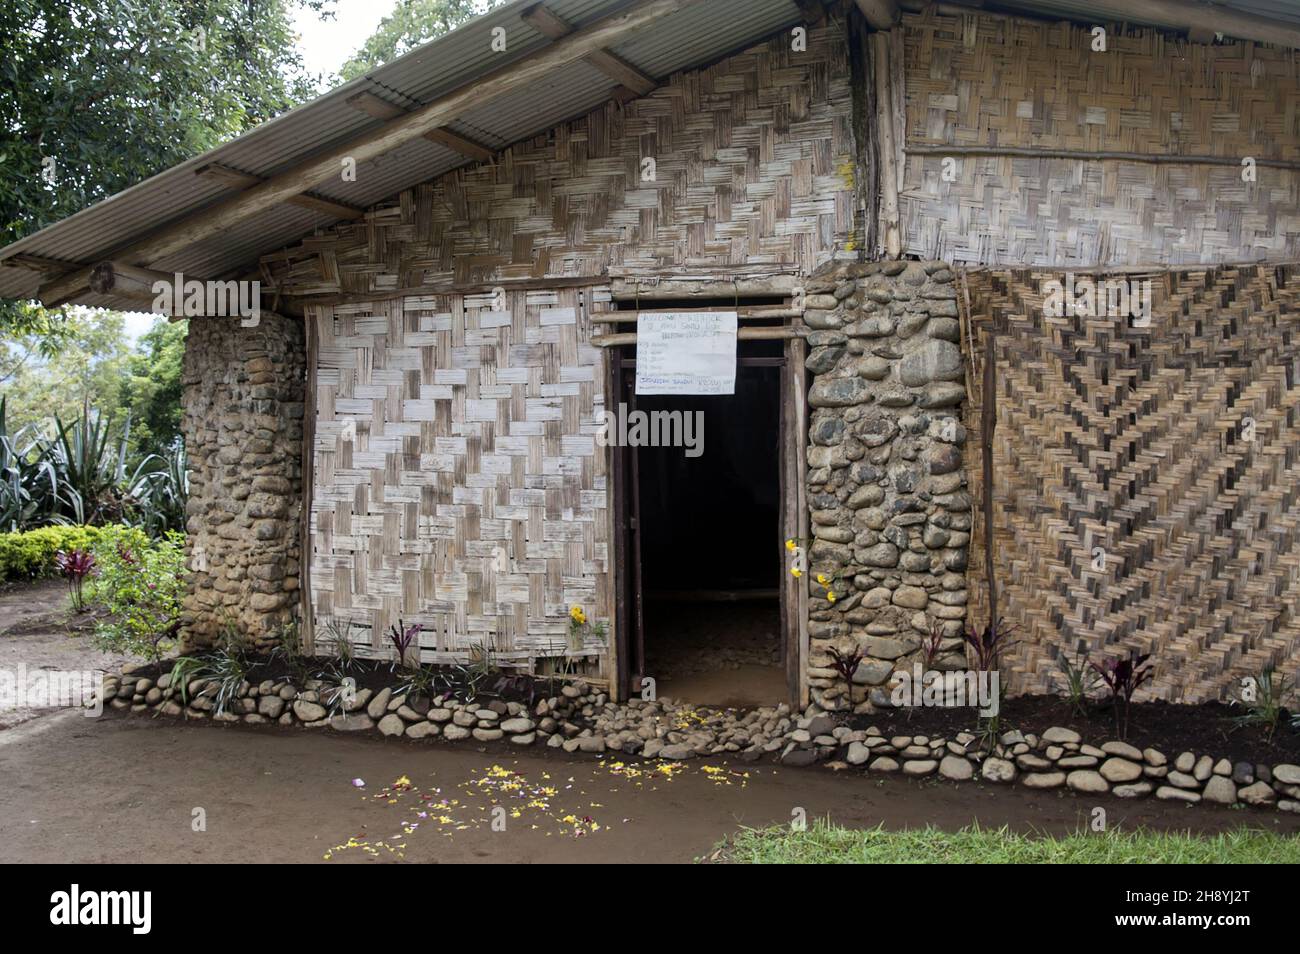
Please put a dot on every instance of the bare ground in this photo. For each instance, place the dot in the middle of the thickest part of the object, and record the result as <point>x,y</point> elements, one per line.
<point>124,788</point>
<point>38,631</point>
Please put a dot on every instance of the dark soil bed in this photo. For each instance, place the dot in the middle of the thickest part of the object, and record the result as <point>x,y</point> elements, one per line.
<point>1205,729</point>
<point>377,674</point>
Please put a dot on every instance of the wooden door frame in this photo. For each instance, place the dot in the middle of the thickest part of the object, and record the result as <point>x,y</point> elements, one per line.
<point>792,521</point>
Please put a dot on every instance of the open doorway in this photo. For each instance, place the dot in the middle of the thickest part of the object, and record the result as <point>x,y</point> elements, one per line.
<point>705,558</point>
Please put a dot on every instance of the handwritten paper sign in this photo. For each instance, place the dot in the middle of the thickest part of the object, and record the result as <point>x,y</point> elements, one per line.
<point>686,352</point>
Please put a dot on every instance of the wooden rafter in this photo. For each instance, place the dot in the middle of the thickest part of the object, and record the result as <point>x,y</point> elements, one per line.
<point>374,105</point>
<point>246,180</point>
<point>615,67</point>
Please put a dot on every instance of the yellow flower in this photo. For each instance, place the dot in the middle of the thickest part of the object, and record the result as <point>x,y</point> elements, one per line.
<point>789,545</point>
<point>577,615</point>
<point>823,579</point>
<point>796,572</point>
<point>830,596</point>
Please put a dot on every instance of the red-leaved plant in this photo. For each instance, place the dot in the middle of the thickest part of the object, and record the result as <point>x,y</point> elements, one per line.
<point>846,664</point>
<point>75,567</point>
<point>402,636</point>
<point>1123,677</point>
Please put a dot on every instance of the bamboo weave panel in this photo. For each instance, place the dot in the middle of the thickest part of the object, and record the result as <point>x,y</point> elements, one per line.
<point>753,167</point>
<point>1135,441</point>
<point>993,81</point>
<point>451,437</point>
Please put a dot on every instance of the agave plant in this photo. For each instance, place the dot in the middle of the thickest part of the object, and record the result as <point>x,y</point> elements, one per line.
<point>75,567</point>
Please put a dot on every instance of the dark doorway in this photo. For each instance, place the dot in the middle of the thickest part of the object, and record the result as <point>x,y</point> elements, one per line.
<point>709,540</point>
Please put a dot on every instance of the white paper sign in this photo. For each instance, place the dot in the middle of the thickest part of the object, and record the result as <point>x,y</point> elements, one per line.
<point>686,352</point>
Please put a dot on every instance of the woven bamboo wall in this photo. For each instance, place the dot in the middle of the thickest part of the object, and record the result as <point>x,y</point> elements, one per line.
<point>975,80</point>
<point>753,168</point>
<point>1136,440</point>
<point>446,429</point>
<point>457,481</point>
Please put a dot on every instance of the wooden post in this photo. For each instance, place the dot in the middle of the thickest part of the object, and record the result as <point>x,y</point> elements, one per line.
<point>307,632</point>
<point>988,413</point>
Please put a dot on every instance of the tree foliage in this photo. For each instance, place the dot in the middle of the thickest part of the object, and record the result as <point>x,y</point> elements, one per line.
<point>411,23</point>
<point>97,95</point>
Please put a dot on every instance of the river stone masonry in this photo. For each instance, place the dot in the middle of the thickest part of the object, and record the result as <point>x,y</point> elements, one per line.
<point>890,515</point>
<point>243,427</point>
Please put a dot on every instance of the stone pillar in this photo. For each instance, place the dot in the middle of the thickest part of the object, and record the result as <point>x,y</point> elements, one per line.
<point>243,427</point>
<point>891,517</point>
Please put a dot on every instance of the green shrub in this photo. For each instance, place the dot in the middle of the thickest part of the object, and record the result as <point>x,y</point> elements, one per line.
<point>140,582</point>
<point>29,554</point>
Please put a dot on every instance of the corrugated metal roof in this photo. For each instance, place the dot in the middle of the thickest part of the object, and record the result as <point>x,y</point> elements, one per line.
<point>698,34</point>
<point>1287,11</point>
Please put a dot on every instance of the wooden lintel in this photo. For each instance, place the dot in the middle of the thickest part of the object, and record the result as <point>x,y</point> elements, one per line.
<point>245,180</point>
<point>615,67</point>
<point>780,333</point>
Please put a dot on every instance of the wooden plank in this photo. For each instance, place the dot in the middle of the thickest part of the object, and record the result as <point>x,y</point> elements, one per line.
<point>988,423</point>
<point>307,629</point>
<point>796,352</point>
<point>619,70</point>
<point>244,180</point>
<point>891,224</point>
<point>1085,155</point>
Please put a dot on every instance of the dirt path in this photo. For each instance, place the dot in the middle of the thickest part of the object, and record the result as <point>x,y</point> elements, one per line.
<point>34,633</point>
<point>124,788</point>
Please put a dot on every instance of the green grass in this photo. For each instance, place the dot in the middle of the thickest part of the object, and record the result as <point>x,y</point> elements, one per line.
<point>828,844</point>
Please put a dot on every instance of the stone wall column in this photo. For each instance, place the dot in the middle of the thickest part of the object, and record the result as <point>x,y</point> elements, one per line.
<point>243,427</point>
<point>891,517</point>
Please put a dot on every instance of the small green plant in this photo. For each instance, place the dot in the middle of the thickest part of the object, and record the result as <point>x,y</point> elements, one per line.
<point>338,635</point>
<point>419,681</point>
<point>481,669</point>
<point>227,673</point>
<point>289,650</point>
<point>1081,680</point>
<point>140,582</point>
<point>1262,697</point>
<point>184,671</point>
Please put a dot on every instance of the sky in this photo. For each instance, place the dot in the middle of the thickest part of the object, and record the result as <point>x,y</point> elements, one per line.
<point>324,45</point>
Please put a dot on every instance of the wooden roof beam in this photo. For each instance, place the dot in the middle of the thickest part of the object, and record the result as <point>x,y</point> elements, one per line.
<point>615,67</point>
<point>380,108</point>
<point>135,284</point>
<point>1199,20</point>
<point>245,180</point>
<point>880,14</point>
<point>327,163</point>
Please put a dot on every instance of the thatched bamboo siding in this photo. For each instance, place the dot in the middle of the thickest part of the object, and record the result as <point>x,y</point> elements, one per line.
<point>1173,448</point>
<point>753,168</point>
<point>984,82</point>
